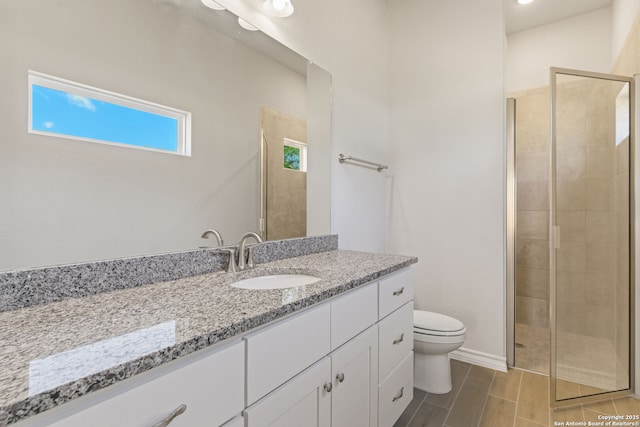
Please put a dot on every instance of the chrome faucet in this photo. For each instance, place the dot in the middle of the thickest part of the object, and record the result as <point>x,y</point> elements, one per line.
<point>231,267</point>
<point>243,242</point>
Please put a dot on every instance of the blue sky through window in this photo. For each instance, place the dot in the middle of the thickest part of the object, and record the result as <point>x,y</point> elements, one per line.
<point>64,113</point>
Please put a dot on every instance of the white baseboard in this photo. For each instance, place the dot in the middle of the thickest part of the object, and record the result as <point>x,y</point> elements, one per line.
<point>479,358</point>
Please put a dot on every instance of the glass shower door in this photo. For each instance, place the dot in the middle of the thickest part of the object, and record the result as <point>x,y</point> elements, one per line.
<point>591,235</point>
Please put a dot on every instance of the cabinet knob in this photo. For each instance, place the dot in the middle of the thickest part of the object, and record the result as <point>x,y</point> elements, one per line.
<point>340,377</point>
<point>178,411</point>
<point>399,395</point>
<point>399,340</point>
<point>328,387</point>
<point>398,292</point>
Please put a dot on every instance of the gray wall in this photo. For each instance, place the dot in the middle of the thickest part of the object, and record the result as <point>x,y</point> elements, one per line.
<point>67,201</point>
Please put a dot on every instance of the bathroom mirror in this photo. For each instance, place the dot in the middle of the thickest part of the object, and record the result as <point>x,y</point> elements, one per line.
<point>67,201</point>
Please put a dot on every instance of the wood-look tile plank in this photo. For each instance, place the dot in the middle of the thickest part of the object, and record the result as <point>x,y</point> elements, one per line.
<point>481,373</point>
<point>459,363</point>
<point>469,404</point>
<point>627,406</point>
<point>506,384</point>
<point>605,407</point>
<point>592,415</point>
<point>498,413</point>
<point>565,415</point>
<point>521,422</point>
<point>428,415</point>
<point>533,403</point>
<point>412,408</point>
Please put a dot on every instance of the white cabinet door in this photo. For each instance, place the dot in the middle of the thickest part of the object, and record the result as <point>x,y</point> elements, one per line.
<point>303,401</point>
<point>354,397</point>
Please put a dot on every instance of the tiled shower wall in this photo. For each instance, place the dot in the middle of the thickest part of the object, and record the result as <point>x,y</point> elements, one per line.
<point>532,217</point>
<point>592,202</point>
<point>586,167</point>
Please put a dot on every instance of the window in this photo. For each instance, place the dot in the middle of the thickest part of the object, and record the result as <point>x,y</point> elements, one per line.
<point>66,109</point>
<point>295,155</point>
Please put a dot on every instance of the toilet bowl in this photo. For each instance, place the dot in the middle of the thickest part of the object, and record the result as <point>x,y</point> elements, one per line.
<point>434,337</point>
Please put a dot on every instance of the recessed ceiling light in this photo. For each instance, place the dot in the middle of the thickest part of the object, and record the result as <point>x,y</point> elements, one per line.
<point>212,4</point>
<point>246,25</point>
<point>279,8</point>
<point>525,1</point>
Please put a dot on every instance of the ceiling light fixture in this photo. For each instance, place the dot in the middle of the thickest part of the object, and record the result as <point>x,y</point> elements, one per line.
<point>212,5</point>
<point>525,1</point>
<point>246,25</point>
<point>279,8</point>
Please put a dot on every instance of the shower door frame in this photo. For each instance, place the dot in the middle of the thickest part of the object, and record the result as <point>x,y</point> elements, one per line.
<point>511,201</point>
<point>554,240</point>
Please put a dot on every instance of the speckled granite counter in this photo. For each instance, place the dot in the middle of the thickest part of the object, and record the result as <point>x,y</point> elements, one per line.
<point>52,353</point>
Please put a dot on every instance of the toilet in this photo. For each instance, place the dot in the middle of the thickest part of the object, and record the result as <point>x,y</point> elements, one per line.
<point>434,337</point>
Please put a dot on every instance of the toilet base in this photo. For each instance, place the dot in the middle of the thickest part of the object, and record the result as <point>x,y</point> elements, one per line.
<point>432,373</point>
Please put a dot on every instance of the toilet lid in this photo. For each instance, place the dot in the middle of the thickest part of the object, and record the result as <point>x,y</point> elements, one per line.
<point>429,321</point>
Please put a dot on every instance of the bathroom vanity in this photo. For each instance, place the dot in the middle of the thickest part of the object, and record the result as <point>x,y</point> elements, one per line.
<point>337,352</point>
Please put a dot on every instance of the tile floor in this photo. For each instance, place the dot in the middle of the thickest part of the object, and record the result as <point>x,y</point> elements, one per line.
<point>482,397</point>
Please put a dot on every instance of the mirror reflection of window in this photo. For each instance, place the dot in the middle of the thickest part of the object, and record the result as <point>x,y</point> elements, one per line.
<point>294,155</point>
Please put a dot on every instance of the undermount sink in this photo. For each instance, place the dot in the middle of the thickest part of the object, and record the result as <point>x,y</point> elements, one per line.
<point>276,281</point>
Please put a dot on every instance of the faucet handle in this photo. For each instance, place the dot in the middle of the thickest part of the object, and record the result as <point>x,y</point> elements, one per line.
<point>250,263</point>
<point>231,267</point>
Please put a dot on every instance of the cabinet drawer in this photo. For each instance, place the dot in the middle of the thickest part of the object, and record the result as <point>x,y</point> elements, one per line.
<point>395,339</point>
<point>281,351</point>
<point>394,291</point>
<point>353,313</point>
<point>395,393</point>
<point>211,387</point>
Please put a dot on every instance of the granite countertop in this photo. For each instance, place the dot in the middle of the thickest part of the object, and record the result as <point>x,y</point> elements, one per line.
<point>55,352</point>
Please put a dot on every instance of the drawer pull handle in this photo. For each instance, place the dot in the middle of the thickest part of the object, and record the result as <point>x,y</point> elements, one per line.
<point>399,395</point>
<point>328,387</point>
<point>178,411</point>
<point>340,377</point>
<point>399,340</point>
<point>398,292</point>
